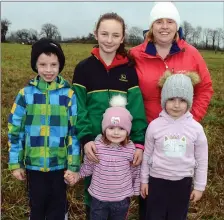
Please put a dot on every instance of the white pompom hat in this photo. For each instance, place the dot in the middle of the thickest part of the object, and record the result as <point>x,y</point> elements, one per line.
<point>117,114</point>
<point>164,10</point>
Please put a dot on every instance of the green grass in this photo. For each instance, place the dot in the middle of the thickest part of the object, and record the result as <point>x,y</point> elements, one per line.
<point>16,72</point>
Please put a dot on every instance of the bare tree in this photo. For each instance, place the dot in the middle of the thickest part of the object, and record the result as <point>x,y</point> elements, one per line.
<point>213,34</point>
<point>12,37</point>
<point>33,36</point>
<point>187,29</point>
<point>206,33</point>
<point>196,34</point>
<point>219,36</point>
<point>22,36</point>
<point>50,31</point>
<point>135,35</point>
<point>4,28</point>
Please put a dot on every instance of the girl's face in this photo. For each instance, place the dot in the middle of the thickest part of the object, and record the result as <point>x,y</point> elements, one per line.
<point>48,67</point>
<point>164,30</point>
<point>176,107</point>
<point>116,134</point>
<point>109,36</point>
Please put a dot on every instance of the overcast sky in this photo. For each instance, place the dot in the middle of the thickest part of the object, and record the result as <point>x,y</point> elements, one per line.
<point>79,18</point>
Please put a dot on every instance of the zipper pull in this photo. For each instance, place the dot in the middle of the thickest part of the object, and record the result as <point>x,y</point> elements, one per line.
<point>166,65</point>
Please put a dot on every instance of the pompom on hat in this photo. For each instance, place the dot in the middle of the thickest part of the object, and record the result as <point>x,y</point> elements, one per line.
<point>46,45</point>
<point>164,10</point>
<point>178,85</point>
<point>117,114</point>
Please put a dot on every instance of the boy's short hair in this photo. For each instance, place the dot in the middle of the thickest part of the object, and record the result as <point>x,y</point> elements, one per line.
<point>46,45</point>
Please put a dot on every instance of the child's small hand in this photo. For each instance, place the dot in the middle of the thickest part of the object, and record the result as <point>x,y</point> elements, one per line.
<point>76,178</point>
<point>19,174</point>
<point>196,195</point>
<point>144,190</point>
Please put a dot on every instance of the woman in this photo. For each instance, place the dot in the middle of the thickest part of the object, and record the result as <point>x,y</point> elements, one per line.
<point>162,50</point>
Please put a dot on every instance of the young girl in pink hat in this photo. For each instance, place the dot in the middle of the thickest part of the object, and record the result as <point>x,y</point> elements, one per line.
<point>114,178</point>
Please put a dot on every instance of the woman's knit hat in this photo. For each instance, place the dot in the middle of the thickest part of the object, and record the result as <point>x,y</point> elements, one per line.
<point>117,114</point>
<point>178,85</point>
<point>46,45</point>
<point>164,10</point>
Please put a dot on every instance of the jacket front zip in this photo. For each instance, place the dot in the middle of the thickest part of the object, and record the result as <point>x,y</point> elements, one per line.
<point>46,124</point>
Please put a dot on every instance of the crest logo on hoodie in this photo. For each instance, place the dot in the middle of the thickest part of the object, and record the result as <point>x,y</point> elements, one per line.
<point>174,146</point>
<point>123,78</point>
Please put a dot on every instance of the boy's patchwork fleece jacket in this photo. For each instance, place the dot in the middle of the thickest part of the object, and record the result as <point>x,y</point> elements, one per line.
<point>42,132</point>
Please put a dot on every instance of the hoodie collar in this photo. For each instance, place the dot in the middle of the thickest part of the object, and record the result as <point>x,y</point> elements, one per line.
<point>58,83</point>
<point>117,61</point>
<point>165,115</point>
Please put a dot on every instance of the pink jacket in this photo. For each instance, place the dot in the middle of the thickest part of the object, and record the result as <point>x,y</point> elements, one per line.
<point>175,149</point>
<point>182,58</point>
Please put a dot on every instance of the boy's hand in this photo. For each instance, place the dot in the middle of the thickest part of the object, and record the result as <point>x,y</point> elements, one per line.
<point>19,174</point>
<point>196,195</point>
<point>71,177</point>
<point>138,156</point>
<point>90,150</point>
<point>144,190</point>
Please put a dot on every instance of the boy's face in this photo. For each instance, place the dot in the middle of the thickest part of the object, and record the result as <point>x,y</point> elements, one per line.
<point>176,107</point>
<point>48,67</point>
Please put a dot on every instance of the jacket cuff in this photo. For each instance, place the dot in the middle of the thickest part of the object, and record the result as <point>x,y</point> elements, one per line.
<point>74,168</point>
<point>86,139</point>
<point>140,146</point>
<point>199,187</point>
<point>16,166</point>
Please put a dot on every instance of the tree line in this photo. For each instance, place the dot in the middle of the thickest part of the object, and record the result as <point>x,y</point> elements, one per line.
<point>202,38</point>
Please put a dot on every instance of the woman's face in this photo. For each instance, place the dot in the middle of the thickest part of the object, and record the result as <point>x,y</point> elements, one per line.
<point>164,30</point>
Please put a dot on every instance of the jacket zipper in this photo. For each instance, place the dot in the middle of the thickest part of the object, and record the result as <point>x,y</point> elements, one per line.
<point>108,90</point>
<point>46,124</point>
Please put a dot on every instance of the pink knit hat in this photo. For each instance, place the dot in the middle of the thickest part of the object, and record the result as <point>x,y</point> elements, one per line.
<point>117,115</point>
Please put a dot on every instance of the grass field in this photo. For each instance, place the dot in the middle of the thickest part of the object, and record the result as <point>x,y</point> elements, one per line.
<point>16,72</point>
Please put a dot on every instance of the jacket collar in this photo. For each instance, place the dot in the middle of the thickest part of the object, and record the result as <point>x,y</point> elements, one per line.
<point>58,83</point>
<point>117,61</point>
<point>151,49</point>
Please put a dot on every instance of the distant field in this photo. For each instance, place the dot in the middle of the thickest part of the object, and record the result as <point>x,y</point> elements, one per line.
<point>16,72</point>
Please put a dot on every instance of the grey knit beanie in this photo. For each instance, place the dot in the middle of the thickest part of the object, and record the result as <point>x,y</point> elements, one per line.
<point>177,85</point>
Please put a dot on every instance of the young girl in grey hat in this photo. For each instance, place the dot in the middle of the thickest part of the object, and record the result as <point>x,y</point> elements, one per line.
<point>176,152</point>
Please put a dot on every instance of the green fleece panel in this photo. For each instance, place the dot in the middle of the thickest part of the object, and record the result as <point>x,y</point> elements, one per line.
<point>92,106</point>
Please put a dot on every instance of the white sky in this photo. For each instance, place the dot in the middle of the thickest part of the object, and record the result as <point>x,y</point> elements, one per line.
<point>79,18</point>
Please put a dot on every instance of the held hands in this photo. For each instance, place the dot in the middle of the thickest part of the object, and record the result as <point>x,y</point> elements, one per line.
<point>138,156</point>
<point>19,174</point>
<point>144,190</point>
<point>196,195</point>
<point>90,150</point>
<point>71,178</point>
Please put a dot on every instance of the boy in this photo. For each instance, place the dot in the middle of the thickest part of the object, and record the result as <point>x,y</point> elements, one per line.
<point>42,133</point>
